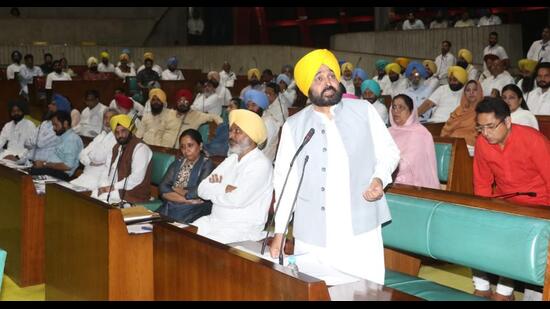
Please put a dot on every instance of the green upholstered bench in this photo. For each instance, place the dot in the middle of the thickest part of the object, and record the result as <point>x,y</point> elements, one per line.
<point>443,153</point>
<point>161,162</point>
<point>502,243</point>
<point>2,263</point>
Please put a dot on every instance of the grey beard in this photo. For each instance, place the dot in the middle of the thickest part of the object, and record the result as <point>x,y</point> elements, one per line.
<point>238,149</point>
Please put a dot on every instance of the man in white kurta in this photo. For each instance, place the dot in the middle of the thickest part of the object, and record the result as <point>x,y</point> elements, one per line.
<point>495,49</point>
<point>91,118</point>
<point>540,50</point>
<point>240,188</point>
<point>28,72</point>
<point>16,65</point>
<point>499,78</point>
<point>16,132</point>
<point>444,61</point>
<point>227,77</point>
<point>349,248</point>
<point>57,74</point>
<point>208,101</point>
<point>539,98</point>
<point>94,156</point>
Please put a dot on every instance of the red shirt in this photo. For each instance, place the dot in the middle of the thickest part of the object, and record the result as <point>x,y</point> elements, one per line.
<point>522,166</point>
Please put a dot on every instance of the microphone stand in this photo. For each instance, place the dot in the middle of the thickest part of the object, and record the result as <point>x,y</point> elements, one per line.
<point>281,251</point>
<point>114,174</point>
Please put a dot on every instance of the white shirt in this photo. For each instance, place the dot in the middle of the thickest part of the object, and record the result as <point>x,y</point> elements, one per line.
<point>419,95</point>
<point>130,64</point>
<point>12,69</point>
<point>432,82</point>
<point>137,106</point>
<point>445,101</point>
<point>348,84</point>
<point>443,63</point>
<point>489,21</point>
<point>272,126</point>
<point>239,215</point>
<point>211,104</point>
<point>109,68</point>
<point>494,50</point>
<point>524,117</point>
<point>224,94</point>
<point>195,26</point>
<point>169,75</point>
<point>140,160</point>
<point>473,73</point>
<point>497,83</point>
<point>399,86</point>
<point>91,121</point>
<point>382,111</point>
<point>288,96</point>
<point>123,75</point>
<point>54,76</point>
<point>539,102</point>
<point>539,50</point>
<point>468,23</point>
<point>94,158</point>
<point>227,79</point>
<point>436,25</point>
<point>16,135</point>
<point>155,68</point>
<point>418,24</point>
<point>278,111</point>
<point>26,76</point>
<point>385,84</point>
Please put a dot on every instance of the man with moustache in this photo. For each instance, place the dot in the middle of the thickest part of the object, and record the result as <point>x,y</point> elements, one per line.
<point>184,118</point>
<point>539,99</point>
<point>254,82</point>
<point>208,101</point>
<point>341,204</point>
<point>129,166</point>
<point>240,188</point>
<point>153,124</point>
<point>63,161</point>
<point>16,132</point>
<point>418,91</point>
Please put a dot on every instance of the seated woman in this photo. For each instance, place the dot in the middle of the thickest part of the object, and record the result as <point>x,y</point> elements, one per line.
<point>462,121</point>
<point>179,185</point>
<point>417,165</point>
<point>520,113</point>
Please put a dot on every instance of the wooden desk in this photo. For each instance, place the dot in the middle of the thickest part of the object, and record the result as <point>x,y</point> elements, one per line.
<point>434,127</point>
<point>21,227</point>
<point>75,90</point>
<point>191,267</point>
<point>461,169</point>
<point>544,125</point>
<point>89,254</point>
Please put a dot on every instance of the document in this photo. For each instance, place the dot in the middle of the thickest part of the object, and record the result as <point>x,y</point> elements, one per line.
<point>137,214</point>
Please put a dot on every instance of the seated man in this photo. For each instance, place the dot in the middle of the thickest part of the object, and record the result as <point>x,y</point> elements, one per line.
<point>94,156</point>
<point>64,160</point>
<point>184,118</point>
<point>370,91</point>
<point>91,124</point>
<point>135,107</point>
<point>240,188</point>
<point>153,124</point>
<point>129,163</point>
<point>92,73</point>
<point>16,132</point>
<point>514,157</point>
<point>257,102</point>
<point>493,84</point>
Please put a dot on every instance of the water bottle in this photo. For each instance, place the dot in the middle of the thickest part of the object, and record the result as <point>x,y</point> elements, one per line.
<point>292,265</point>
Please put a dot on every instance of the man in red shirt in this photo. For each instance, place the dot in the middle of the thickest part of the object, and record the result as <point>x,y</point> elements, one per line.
<point>514,157</point>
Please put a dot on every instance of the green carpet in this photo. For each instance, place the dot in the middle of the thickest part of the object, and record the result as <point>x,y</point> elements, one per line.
<point>11,291</point>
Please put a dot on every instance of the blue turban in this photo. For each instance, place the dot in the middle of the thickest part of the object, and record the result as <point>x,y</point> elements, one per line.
<point>257,97</point>
<point>62,103</point>
<point>284,78</point>
<point>371,85</point>
<point>172,61</point>
<point>361,73</point>
<point>419,68</point>
<point>381,64</point>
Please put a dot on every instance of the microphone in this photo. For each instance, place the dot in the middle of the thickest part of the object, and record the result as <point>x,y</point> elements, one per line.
<point>306,140</point>
<point>290,214</point>
<point>509,195</point>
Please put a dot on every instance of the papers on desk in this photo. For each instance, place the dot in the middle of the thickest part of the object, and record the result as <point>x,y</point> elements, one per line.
<point>40,182</point>
<point>69,185</point>
<point>138,214</point>
<point>140,228</point>
<point>13,164</point>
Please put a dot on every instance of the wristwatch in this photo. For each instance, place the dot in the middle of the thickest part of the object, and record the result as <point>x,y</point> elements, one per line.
<point>45,163</point>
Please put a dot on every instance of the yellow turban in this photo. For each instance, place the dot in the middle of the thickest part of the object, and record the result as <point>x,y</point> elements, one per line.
<point>121,119</point>
<point>104,54</point>
<point>347,66</point>
<point>403,62</point>
<point>393,67</point>
<point>527,65</point>
<point>459,73</point>
<point>431,65</point>
<point>309,65</point>
<point>91,61</point>
<point>251,124</point>
<point>157,92</point>
<point>253,72</point>
<point>466,54</point>
<point>124,57</point>
<point>148,55</point>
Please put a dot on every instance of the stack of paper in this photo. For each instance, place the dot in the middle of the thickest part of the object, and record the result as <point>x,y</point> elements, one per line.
<point>138,214</point>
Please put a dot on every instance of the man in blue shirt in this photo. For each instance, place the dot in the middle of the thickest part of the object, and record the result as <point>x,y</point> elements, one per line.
<point>63,162</point>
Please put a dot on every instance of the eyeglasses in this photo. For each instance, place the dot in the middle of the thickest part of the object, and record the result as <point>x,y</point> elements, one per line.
<point>489,127</point>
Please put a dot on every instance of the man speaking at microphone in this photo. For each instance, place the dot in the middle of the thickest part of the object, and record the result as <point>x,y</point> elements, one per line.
<point>128,177</point>
<point>341,205</point>
<point>515,157</point>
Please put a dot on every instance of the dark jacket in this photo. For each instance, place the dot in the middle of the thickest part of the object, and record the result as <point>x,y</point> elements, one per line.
<point>200,171</point>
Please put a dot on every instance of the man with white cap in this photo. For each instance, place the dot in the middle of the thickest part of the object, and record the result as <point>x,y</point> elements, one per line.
<point>341,204</point>
<point>240,188</point>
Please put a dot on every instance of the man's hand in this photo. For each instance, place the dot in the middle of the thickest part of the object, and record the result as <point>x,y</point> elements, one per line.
<point>375,191</point>
<point>102,190</point>
<point>11,158</point>
<point>275,247</point>
<point>180,191</point>
<point>214,178</point>
<point>38,164</point>
<point>230,188</point>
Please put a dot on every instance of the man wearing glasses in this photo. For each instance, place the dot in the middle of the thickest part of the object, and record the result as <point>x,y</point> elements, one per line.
<point>515,158</point>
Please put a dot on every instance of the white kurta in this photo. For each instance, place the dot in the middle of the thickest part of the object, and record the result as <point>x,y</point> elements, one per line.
<point>109,68</point>
<point>524,117</point>
<point>169,75</point>
<point>26,76</point>
<point>94,158</point>
<point>278,111</point>
<point>224,94</point>
<point>348,84</point>
<point>12,69</point>
<point>16,135</point>
<point>91,121</point>
<point>123,75</point>
<point>497,83</point>
<point>227,79</point>
<point>239,215</point>
<point>445,101</point>
<point>385,84</point>
<point>494,50</point>
<point>140,160</point>
<point>382,111</point>
<point>211,104</point>
<point>288,97</point>
<point>539,102</point>
<point>272,126</point>
<point>539,50</point>
<point>473,73</point>
<point>443,63</point>
<point>54,76</point>
<point>419,96</point>
<point>417,25</point>
<point>399,86</point>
